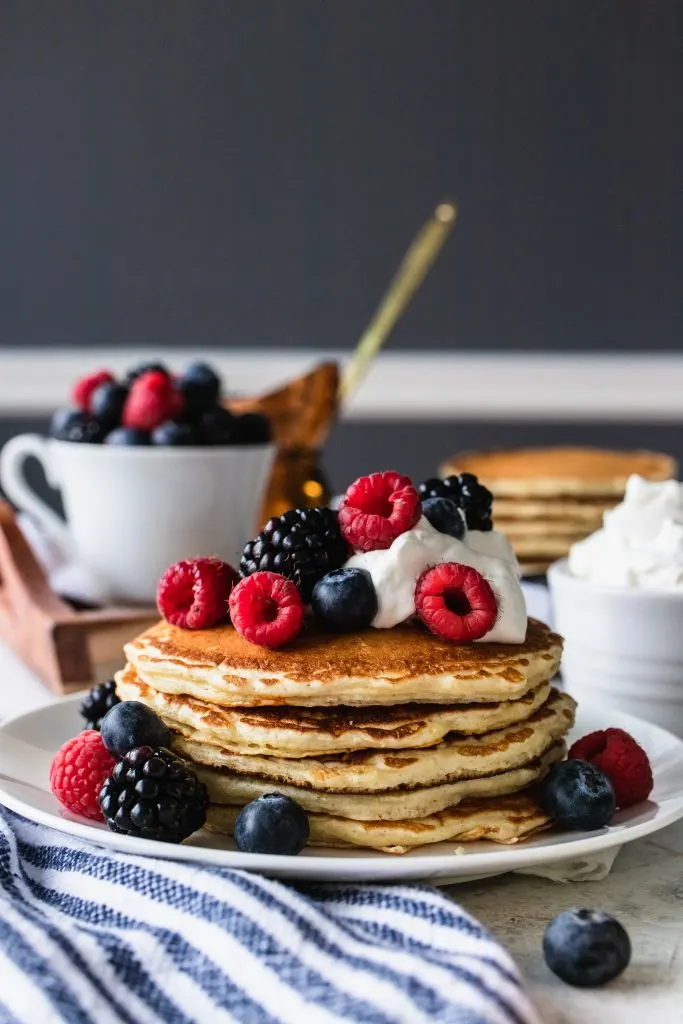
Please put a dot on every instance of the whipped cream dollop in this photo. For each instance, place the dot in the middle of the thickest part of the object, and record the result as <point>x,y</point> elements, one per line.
<point>641,541</point>
<point>395,572</point>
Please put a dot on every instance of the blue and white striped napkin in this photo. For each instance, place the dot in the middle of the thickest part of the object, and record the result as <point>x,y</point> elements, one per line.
<point>89,936</point>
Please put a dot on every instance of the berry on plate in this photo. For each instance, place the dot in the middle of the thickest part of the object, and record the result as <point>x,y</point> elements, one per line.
<point>586,948</point>
<point>152,794</point>
<point>623,761</point>
<point>97,702</point>
<point>455,602</point>
<point>131,724</point>
<point>266,609</point>
<point>200,387</point>
<point>377,509</point>
<point>194,594</point>
<point>83,389</point>
<point>345,600</point>
<point>78,770</point>
<point>77,426</point>
<point>578,795</point>
<point>152,399</point>
<point>304,545</point>
<point>272,824</point>
<point>445,516</point>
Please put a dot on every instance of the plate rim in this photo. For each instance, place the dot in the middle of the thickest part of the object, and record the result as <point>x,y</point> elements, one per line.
<point>373,866</point>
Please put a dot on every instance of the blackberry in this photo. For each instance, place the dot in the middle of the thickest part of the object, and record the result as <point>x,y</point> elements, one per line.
<point>97,702</point>
<point>304,545</point>
<point>152,794</point>
<point>473,498</point>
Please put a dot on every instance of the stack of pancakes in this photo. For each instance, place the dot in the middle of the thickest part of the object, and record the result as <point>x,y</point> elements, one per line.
<point>548,498</point>
<point>390,739</point>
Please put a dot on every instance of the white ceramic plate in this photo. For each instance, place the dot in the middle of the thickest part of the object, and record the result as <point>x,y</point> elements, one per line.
<point>28,743</point>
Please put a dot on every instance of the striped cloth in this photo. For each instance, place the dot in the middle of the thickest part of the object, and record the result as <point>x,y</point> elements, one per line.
<point>89,936</point>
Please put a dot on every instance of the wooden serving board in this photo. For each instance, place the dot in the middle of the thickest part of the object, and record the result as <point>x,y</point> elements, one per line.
<point>68,647</point>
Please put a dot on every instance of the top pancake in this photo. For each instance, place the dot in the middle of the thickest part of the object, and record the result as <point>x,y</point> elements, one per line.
<point>375,667</point>
<point>561,471</point>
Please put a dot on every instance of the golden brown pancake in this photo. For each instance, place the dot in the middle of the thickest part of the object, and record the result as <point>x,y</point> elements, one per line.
<point>304,732</point>
<point>502,819</point>
<point>378,666</point>
<point>395,805</point>
<point>559,471</point>
<point>365,771</point>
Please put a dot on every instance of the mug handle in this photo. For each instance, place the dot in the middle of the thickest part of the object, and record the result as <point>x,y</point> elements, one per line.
<point>12,458</point>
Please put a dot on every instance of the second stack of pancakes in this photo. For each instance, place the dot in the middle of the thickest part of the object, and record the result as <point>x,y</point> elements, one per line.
<point>546,499</point>
<point>389,739</point>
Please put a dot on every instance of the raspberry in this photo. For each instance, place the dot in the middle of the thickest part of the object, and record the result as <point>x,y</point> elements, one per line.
<point>376,509</point>
<point>623,761</point>
<point>84,387</point>
<point>152,399</point>
<point>194,594</point>
<point>455,602</point>
<point>266,609</point>
<point>78,772</point>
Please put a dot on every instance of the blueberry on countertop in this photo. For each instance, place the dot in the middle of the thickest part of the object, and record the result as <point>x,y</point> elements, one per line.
<point>107,402</point>
<point>445,516</point>
<point>128,436</point>
<point>578,795</point>
<point>201,387</point>
<point>345,600</point>
<point>586,948</point>
<point>132,724</point>
<point>176,432</point>
<point>272,824</point>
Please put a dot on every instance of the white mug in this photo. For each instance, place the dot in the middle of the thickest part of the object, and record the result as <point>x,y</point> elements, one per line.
<point>133,511</point>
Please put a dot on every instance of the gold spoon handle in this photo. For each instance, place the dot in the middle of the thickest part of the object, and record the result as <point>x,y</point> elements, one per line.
<point>422,253</point>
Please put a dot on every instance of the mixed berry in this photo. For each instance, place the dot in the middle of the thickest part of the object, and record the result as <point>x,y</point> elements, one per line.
<point>152,406</point>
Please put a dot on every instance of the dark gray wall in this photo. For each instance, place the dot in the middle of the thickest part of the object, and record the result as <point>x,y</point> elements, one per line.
<point>249,171</point>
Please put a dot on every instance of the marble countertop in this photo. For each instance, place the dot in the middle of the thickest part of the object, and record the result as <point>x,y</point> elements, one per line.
<point>644,890</point>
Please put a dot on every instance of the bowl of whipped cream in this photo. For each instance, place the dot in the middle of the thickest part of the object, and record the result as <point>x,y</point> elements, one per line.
<point>618,602</point>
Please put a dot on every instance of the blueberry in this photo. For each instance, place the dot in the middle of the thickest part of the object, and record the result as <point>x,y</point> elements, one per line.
<point>578,795</point>
<point>138,371</point>
<point>107,402</point>
<point>586,947</point>
<point>217,426</point>
<point>272,824</point>
<point>445,516</point>
<point>77,426</point>
<point>201,387</point>
<point>252,428</point>
<point>131,724</point>
<point>128,436</point>
<point>176,432</point>
<point>345,600</point>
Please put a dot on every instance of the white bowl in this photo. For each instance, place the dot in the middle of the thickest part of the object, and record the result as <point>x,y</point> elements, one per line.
<point>623,646</point>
